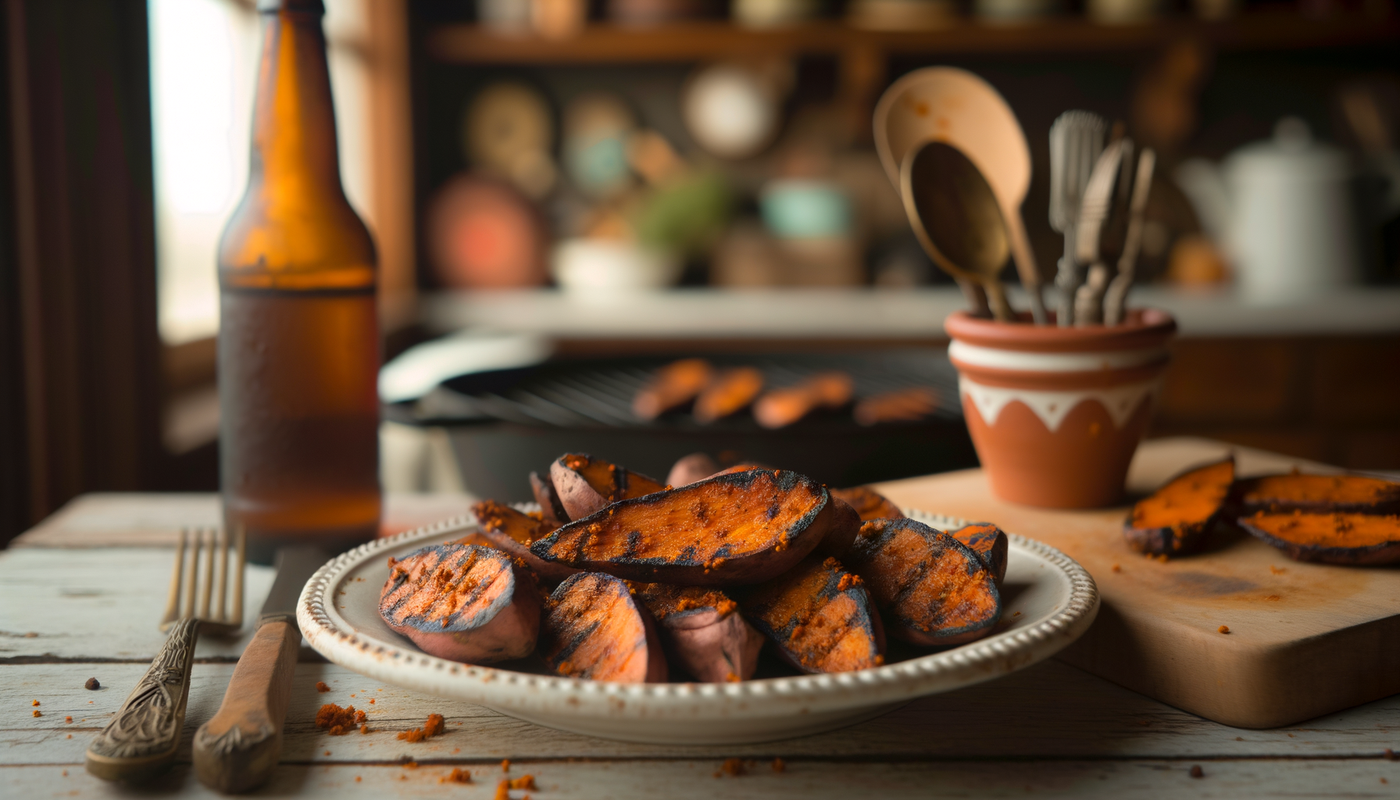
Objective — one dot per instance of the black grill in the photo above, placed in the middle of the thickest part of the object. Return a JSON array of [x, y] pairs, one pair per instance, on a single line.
[[598, 394], [502, 425]]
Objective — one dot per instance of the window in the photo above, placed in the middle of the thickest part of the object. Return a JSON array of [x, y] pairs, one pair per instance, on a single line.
[[204, 56]]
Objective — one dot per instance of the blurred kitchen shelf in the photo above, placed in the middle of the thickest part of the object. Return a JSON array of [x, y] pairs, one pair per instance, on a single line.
[[611, 44], [820, 317]]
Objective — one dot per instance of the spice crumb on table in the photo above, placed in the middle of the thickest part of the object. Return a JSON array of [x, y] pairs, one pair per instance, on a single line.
[[1223, 629], [457, 775], [1197, 772], [92, 685], [322, 687], [434, 726]]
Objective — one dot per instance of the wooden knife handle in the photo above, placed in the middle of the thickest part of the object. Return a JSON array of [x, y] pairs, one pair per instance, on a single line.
[[239, 747], [142, 738]]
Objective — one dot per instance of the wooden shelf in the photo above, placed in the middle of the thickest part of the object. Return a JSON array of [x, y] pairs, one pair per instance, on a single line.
[[610, 44]]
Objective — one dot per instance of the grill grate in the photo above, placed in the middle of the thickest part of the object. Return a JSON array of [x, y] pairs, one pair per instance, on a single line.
[[598, 393]]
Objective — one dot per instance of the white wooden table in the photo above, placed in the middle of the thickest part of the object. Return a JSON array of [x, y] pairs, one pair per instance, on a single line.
[[80, 598]]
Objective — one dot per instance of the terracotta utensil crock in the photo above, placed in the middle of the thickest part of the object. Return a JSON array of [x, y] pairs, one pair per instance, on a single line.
[[1056, 413]]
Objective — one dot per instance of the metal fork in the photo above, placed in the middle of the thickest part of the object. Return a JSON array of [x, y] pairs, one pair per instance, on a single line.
[[142, 738]]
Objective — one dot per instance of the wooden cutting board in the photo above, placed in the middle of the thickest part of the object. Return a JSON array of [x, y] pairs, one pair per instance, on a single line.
[[1304, 639]]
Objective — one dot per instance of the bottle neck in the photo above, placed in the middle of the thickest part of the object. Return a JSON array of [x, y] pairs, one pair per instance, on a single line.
[[294, 142]]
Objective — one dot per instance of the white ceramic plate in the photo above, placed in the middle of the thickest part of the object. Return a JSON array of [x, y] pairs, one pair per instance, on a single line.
[[1049, 601]]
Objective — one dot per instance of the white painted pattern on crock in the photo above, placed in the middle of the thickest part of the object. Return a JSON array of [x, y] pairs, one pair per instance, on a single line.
[[1051, 407]]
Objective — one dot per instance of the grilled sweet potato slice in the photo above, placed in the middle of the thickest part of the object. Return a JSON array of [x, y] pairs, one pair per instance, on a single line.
[[462, 602], [551, 509], [989, 543], [782, 407], [691, 468], [1336, 537], [733, 529], [820, 617], [931, 588], [729, 393], [703, 631], [1176, 518], [593, 628], [585, 484], [1353, 493], [869, 503], [900, 405], [672, 386], [512, 532]]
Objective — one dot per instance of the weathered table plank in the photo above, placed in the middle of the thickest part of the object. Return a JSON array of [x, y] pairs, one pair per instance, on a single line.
[[1266, 778], [1049, 710], [100, 604]]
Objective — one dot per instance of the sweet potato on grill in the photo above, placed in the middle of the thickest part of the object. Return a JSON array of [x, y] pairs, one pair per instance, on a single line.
[[820, 617], [733, 529], [691, 468], [729, 393], [845, 527], [703, 631], [782, 407], [901, 405], [1336, 537], [585, 484], [931, 588], [465, 603], [672, 386], [512, 532], [1355, 493], [989, 543], [593, 628], [869, 503], [550, 508], [1176, 518]]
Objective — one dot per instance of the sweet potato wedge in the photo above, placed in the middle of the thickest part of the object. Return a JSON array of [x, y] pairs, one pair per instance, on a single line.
[[869, 503], [703, 631], [464, 603], [782, 407], [741, 528], [585, 484], [989, 543], [845, 527], [512, 532], [1353, 493], [820, 617], [931, 588], [729, 393], [672, 386], [593, 628], [551, 509], [691, 468], [900, 405], [1337, 537], [1176, 518]]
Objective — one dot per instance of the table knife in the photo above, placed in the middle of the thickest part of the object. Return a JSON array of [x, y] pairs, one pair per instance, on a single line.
[[238, 748]]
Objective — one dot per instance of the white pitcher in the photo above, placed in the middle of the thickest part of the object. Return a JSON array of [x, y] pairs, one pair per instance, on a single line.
[[1284, 211]]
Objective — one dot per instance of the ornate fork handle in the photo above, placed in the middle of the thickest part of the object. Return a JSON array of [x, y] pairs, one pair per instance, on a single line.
[[144, 734]]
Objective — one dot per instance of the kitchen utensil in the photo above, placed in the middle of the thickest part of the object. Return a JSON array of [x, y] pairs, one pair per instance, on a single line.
[[1094, 221], [237, 749], [1305, 640], [1048, 602], [957, 218], [1117, 295], [958, 108], [900, 123], [1076, 141], [1284, 211], [144, 735]]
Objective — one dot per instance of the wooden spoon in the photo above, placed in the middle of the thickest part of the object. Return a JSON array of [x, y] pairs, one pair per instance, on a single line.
[[957, 218], [958, 108]]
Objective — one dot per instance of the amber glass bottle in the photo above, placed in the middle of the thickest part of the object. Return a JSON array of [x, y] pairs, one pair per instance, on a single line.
[[298, 335]]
